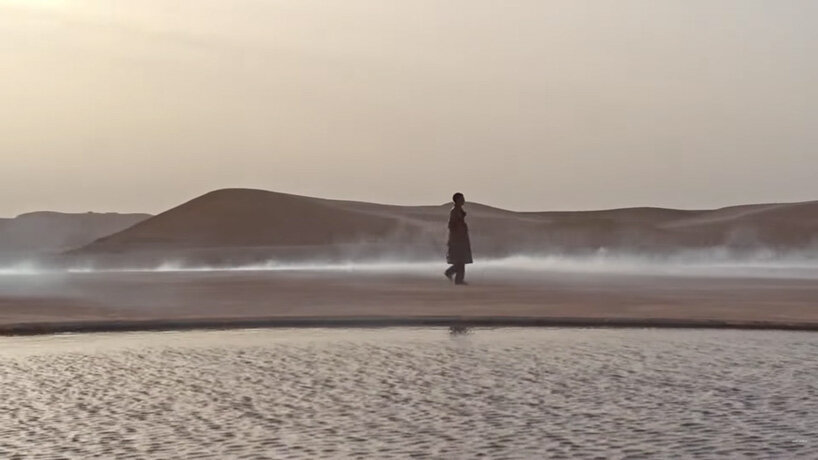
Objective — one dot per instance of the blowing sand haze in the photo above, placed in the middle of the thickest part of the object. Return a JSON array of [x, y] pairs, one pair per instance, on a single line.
[[243, 226]]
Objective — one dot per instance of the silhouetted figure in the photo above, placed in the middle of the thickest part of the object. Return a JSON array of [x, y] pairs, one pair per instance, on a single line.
[[459, 252]]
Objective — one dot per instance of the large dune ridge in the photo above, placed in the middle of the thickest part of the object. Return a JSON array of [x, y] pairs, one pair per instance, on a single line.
[[244, 225], [241, 257], [45, 232]]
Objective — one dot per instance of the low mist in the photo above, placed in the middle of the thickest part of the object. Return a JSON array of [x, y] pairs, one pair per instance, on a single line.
[[721, 262]]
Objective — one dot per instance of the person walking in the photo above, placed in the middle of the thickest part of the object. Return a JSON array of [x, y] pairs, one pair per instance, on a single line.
[[459, 246]]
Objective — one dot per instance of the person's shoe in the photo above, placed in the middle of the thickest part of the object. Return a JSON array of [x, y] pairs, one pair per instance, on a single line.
[[448, 276], [461, 283]]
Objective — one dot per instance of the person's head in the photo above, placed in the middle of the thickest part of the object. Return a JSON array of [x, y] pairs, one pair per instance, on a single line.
[[459, 199]]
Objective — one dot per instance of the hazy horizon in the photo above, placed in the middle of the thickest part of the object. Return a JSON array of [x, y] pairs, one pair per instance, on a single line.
[[525, 105], [444, 202]]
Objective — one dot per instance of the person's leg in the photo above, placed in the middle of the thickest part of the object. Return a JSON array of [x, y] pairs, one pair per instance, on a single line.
[[460, 274], [450, 272]]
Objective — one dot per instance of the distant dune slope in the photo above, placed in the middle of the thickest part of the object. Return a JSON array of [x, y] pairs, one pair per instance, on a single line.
[[254, 219], [43, 232], [774, 226]]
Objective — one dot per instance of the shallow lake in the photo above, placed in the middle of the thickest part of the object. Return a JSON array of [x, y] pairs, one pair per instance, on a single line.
[[384, 393]]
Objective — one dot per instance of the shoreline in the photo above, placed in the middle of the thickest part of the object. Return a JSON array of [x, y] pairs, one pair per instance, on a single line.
[[112, 302], [85, 327]]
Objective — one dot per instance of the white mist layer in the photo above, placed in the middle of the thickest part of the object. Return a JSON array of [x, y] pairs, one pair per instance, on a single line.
[[693, 263]]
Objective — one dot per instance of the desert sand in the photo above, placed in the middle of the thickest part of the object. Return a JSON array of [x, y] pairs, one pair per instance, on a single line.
[[48, 232], [123, 282], [236, 226], [338, 297]]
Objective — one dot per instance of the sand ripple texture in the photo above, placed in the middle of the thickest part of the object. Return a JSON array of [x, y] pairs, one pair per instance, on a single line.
[[398, 393]]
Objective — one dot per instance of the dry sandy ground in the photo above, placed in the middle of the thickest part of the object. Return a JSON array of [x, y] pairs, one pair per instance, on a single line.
[[44, 302]]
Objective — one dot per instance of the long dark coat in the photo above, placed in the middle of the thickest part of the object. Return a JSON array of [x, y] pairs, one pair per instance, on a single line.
[[459, 245]]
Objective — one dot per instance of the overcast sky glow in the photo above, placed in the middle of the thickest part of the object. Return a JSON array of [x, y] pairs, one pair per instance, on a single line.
[[529, 105]]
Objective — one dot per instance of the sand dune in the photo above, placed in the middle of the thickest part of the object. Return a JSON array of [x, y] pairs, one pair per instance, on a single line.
[[778, 226], [242, 224], [253, 218], [40, 232]]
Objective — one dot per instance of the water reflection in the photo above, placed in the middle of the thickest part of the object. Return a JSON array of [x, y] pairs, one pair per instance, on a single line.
[[400, 393]]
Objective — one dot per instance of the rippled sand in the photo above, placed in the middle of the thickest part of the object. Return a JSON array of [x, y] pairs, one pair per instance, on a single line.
[[507, 393]]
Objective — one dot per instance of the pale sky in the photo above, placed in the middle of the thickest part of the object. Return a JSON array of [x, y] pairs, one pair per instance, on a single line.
[[139, 105]]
